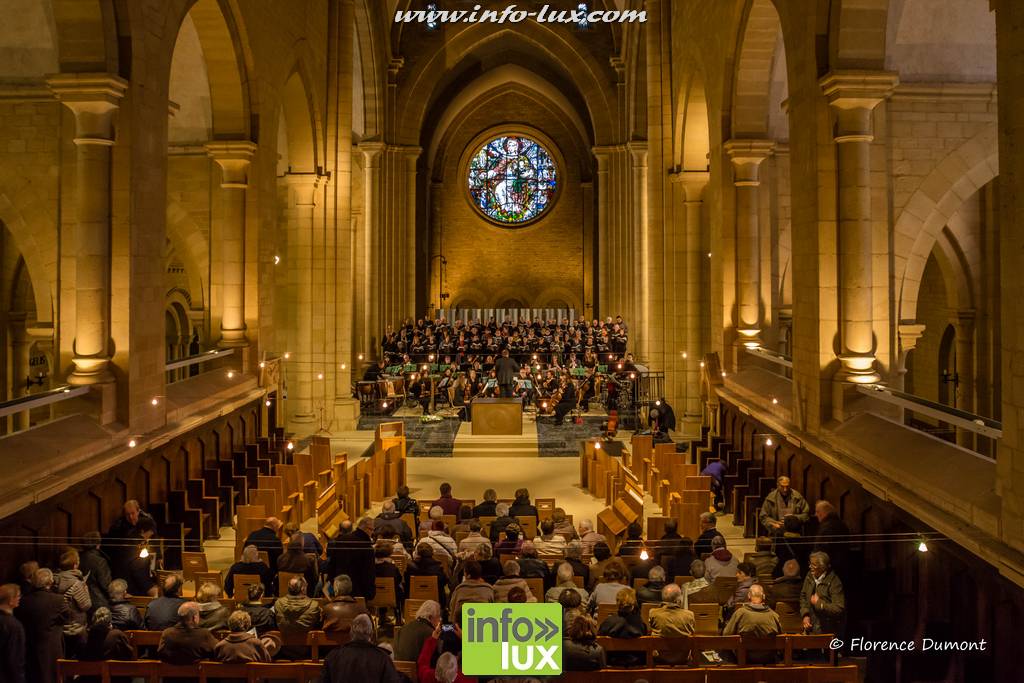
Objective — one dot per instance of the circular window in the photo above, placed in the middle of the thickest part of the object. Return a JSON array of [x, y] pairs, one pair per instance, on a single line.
[[512, 180]]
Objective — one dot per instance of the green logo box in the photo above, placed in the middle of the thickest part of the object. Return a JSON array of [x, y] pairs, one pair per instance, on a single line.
[[512, 639]]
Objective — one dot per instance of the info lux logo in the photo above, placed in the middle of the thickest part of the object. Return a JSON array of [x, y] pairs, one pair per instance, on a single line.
[[511, 639]]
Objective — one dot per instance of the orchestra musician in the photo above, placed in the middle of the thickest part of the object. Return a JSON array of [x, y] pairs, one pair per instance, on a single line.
[[524, 389], [567, 401]]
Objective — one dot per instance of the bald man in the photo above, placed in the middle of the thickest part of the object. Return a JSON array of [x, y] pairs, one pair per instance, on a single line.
[[783, 501]]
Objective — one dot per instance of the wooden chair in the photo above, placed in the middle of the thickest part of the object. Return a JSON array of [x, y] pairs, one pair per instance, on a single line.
[[401, 561], [725, 588], [536, 588], [789, 615], [485, 525], [702, 643], [816, 641], [409, 669], [68, 669], [385, 596], [645, 611], [220, 670], [706, 617], [192, 563], [639, 583], [242, 583], [409, 609], [449, 521], [209, 577], [605, 610], [146, 669], [545, 507], [528, 523], [683, 580], [761, 645], [282, 582], [423, 588], [295, 671], [410, 519]]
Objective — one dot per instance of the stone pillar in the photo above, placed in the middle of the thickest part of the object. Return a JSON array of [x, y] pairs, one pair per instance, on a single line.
[[234, 158], [909, 333], [94, 100], [371, 241], [644, 299], [854, 95], [603, 303], [301, 200], [964, 328], [21, 346], [412, 155], [746, 156], [693, 184]]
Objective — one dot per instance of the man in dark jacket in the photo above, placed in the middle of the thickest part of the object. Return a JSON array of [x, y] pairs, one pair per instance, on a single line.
[[822, 602], [424, 564], [486, 508], [651, 591], [500, 522], [162, 612], [267, 539], [12, 636], [343, 608], [352, 554], [709, 529], [359, 659], [186, 642], [263, 617], [446, 502], [413, 634], [43, 614], [95, 566], [250, 565], [406, 505], [506, 369], [120, 542], [124, 615], [833, 536], [390, 519]]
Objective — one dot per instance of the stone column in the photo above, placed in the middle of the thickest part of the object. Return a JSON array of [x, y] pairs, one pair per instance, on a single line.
[[371, 248], [301, 199], [603, 303], [94, 100], [21, 345], [854, 95], [644, 299], [692, 184], [412, 155], [964, 328], [746, 156], [233, 157]]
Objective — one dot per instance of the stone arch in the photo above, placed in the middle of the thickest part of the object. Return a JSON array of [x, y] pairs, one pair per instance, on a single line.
[[583, 70], [300, 122], [86, 35], [31, 234], [693, 129], [759, 41], [369, 48], [192, 247], [959, 175], [857, 34], [563, 294]]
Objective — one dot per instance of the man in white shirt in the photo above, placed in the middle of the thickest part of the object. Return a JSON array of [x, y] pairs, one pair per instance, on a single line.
[[549, 544]]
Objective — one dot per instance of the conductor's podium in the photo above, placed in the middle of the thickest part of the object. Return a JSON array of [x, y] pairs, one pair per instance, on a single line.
[[497, 416]]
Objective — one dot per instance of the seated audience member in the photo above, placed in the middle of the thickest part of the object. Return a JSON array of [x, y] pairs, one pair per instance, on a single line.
[[310, 543], [409, 639], [240, 646], [721, 562], [521, 506], [763, 559], [634, 542], [708, 530], [424, 564], [572, 605], [580, 651], [781, 502], [574, 556], [602, 558], [700, 589], [70, 583], [162, 612], [832, 536], [755, 619], [95, 566], [442, 542], [625, 623], [351, 553], [391, 519], [406, 505], [486, 508], [588, 537], [104, 640], [435, 514], [564, 581], [267, 540], [12, 636], [549, 544], [446, 502], [563, 527], [262, 617], [490, 564], [531, 566], [822, 602], [360, 659], [464, 520], [791, 545], [746, 573], [384, 567], [473, 539], [472, 589], [295, 561], [651, 591], [43, 614], [297, 614], [675, 552], [608, 590], [251, 565], [343, 608], [671, 619], [512, 540], [446, 668], [511, 578], [501, 522], [212, 614], [186, 642], [123, 614], [516, 594], [788, 586]]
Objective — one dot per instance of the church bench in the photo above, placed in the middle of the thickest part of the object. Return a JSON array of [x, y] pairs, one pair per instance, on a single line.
[[223, 492]]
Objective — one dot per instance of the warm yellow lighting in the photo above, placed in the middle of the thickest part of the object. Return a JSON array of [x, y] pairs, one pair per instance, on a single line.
[[290, 446], [709, 254], [597, 446], [262, 365], [231, 374], [144, 553], [384, 404], [775, 401], [287, 355], [684, 355], [534, 356], [632, 375], [644, 556], [414, 376], [342, 366], [723, 373], [922, 547], [155, 401], [131, 443], [319, 375], [544, 405], [657, 403], [431, 357], [267, 403], [360, 356], [769, 442], [277, 259], [619, 366], [702, 363]]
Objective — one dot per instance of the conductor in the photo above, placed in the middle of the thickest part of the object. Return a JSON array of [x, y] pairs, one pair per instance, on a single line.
[[506, 369]]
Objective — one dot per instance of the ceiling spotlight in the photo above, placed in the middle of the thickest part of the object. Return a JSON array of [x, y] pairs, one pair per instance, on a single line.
[[267, 403], [922, 547], [132, 443]]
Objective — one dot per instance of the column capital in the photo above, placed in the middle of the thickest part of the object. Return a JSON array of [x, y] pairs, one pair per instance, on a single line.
[[746, 156], [412, 155], [693, 183], [854, 94], [965, 321], [371, 150], [303, 187], [909, 334], [93, 98], [233, 157], [638, 150]]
